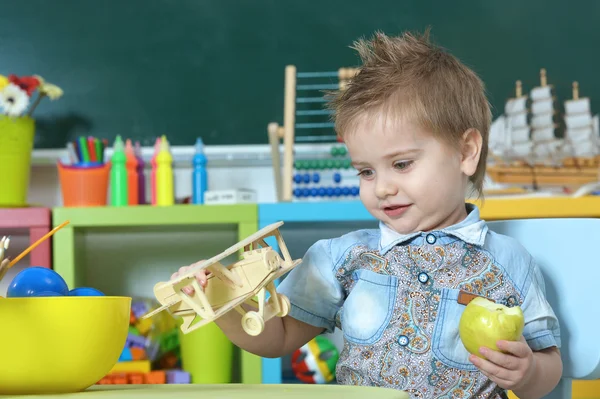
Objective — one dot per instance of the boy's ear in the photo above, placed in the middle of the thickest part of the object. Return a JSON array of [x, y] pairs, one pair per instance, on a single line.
[[471, 151]]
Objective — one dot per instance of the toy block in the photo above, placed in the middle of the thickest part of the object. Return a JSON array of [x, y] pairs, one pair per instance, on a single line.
[[132, 318], [143, 326], [140, 366], [133, 330], [125, 355], [106, 380], [139, 308], [136, 341], [135, 378], [155, 377], [169, 340], [119, 378], [178, 377], [168, 361], [137, 354]]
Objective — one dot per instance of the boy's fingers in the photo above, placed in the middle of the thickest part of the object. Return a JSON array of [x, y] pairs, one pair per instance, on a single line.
[[201, 279], [489, 368], [516, 348], [503, 360]]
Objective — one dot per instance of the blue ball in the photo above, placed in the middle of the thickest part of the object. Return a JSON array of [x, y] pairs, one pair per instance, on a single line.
[[33, 281], [85, 291], [47, 293]]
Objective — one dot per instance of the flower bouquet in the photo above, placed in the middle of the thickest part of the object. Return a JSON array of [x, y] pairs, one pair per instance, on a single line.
[[17, 130]]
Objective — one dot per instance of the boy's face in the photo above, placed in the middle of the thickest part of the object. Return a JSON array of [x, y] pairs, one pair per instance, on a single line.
[[408, 179]]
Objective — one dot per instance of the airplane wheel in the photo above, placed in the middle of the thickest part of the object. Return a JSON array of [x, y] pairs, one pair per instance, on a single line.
[[285, 305], [252, 323]]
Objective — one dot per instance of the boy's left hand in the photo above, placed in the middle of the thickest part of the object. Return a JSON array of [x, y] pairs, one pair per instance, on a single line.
[[510, 370]]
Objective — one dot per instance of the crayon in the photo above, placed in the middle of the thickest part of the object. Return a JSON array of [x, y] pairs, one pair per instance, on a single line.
[[85, 155]]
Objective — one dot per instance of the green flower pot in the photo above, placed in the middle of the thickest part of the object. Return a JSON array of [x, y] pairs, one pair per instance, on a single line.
[[16, 146]]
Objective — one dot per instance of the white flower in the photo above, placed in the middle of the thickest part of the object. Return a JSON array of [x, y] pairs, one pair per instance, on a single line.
[[13, 100], [49, 89]]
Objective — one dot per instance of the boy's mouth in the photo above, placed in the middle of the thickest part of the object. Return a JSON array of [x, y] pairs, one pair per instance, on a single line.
[[395, 210]]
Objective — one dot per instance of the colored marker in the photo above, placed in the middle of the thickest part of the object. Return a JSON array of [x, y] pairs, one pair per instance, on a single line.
[[118, 175], [99, 150], [199, 183], [85, 155], [153, 172], [164, 175], [140, 173], [132, 178], [71, 153], [91, 149]]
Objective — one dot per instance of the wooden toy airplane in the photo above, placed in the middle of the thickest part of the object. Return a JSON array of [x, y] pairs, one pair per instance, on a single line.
[[229, 287]]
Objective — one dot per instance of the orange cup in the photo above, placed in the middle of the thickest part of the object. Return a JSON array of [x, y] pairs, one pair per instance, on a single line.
[[84, 186]]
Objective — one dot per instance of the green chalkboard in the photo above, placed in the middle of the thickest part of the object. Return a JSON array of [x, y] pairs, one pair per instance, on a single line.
[[215, 68]]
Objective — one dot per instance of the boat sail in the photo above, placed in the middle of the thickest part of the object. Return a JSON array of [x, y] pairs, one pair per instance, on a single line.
[[543, 159], [582, 138], [543, 124]]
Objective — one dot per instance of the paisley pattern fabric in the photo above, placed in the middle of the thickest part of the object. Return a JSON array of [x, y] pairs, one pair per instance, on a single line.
[[403, 358]]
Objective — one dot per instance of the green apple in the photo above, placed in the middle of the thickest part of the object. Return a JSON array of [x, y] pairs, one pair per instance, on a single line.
[[484, 322]]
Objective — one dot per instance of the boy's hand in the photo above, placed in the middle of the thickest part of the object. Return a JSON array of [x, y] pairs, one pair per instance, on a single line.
[[511, 370], [200, 276]]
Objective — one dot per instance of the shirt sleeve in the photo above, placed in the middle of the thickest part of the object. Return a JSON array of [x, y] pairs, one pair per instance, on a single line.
[[314, 293], [541, 324]]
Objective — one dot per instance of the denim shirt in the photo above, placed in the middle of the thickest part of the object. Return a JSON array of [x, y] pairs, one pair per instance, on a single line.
[[395, 298]]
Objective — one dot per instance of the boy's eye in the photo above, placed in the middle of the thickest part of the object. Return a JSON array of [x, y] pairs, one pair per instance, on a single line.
[[402, 164], [365, 173]]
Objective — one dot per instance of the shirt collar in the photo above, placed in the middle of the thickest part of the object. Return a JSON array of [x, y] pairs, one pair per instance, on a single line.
[[471, 230]]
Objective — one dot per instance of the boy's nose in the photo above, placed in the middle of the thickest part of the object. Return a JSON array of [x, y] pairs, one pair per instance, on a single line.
[[385, 188]]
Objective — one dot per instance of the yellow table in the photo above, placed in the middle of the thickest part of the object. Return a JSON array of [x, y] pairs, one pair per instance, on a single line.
[[232, 391], [539, 207]]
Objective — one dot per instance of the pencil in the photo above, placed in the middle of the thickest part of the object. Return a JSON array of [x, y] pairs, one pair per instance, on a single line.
[[38, 242]]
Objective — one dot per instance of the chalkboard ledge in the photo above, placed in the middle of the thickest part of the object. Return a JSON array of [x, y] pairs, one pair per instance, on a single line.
[[217, 155]]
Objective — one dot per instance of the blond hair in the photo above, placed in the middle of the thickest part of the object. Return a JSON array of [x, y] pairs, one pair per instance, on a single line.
[[411, 77]]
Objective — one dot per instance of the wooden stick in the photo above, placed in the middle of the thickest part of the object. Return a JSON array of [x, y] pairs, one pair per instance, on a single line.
[[4, 268], [273, 130], [543, 80], [519, 89], [38, 242], [289, 120], [575, 90]]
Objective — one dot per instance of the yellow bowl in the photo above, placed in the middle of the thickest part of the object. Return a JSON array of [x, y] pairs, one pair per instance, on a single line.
[[60, 344]]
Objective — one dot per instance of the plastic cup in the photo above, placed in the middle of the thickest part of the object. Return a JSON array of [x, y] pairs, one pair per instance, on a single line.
[[16, 145], [207, 354], [84, 185]]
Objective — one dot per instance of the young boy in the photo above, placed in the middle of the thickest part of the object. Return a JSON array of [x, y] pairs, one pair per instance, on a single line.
[[415, 121]]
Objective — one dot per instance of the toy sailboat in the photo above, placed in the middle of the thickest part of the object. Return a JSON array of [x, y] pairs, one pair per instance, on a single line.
[[527, 151]]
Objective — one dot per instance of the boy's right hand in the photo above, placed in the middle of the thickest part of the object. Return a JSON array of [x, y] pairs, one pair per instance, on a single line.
[[201, 276]]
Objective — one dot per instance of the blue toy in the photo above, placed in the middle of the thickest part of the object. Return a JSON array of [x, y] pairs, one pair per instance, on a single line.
[[327, 177], [85, 291], [125, 355], [199, 174], [46, 293], [32, 281]]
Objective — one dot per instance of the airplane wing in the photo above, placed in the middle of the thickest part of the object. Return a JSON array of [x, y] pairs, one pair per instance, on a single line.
[[261, 234]]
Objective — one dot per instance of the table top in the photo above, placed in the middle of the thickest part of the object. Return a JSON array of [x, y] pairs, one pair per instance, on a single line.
[[246, 391]]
